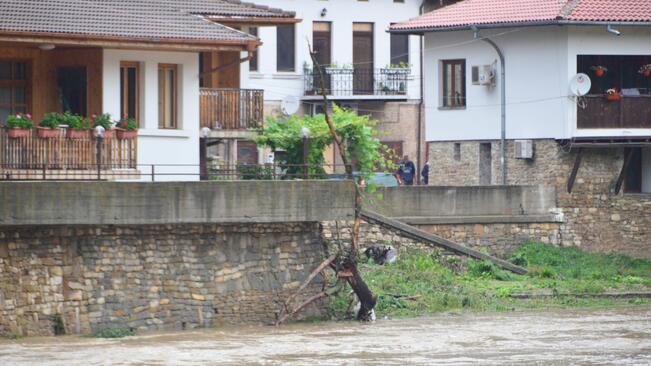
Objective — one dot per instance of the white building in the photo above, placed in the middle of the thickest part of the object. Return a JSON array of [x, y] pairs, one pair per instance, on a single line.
[[351, 38], [140, 59], [545, 45]]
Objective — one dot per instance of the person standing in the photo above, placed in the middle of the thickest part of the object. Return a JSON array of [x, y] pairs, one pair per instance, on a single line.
[[425, 173], [406, 172]]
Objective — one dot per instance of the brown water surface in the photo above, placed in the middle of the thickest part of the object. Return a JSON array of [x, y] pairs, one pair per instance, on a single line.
[[562, 337]]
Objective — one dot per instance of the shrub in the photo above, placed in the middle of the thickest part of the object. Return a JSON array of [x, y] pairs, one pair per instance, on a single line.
[[76, 122], [128, 123], [20, 120], [113, 333]]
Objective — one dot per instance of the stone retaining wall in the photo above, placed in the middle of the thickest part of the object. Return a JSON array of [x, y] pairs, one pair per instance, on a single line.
[[151, 276], [595, 218]]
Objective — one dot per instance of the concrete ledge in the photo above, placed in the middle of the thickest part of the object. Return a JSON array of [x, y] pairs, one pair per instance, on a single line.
[[455, 202], [110, 203], [497, 219]]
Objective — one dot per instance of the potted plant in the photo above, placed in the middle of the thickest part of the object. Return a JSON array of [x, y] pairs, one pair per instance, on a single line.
[[397, 69], [19, 125], [645, 70], [78, 127], [335, 69], [105, 121], [613, 95], [128, 128], [599, 71], [49, 126]]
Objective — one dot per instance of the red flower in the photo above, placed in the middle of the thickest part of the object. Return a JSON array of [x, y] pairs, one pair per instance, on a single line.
[[19, 115], [29, 116]]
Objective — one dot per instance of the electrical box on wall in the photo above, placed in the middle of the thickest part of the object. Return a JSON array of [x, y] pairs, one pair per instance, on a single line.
[[483, 75], [524, 149]]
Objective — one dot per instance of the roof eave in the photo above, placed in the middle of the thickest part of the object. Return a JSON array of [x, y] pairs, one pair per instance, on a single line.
[[423, 30], [252, 21], [129, 42]]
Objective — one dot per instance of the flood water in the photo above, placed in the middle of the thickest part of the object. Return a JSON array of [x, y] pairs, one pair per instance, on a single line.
[[562, 337]]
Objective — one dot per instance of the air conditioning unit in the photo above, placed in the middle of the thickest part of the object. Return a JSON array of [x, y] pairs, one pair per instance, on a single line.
[[483, 75], [524, 149]]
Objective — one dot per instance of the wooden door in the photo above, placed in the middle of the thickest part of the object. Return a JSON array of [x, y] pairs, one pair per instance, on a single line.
[[247, 152], [363, 58]]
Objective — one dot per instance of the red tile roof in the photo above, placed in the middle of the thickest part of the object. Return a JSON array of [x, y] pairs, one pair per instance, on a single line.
[[518, 12]]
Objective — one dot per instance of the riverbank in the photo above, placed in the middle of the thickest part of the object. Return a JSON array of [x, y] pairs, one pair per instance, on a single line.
[[421, 283]]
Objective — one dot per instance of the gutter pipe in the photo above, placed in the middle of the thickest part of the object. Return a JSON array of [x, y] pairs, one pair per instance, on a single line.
[[503, 166]]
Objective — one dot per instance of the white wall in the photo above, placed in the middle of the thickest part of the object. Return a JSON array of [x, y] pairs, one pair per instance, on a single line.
[[536, 81], [156, 146], [540, 62], [342, 14]]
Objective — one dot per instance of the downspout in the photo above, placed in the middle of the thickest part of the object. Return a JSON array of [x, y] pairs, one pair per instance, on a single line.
[[503, 102]]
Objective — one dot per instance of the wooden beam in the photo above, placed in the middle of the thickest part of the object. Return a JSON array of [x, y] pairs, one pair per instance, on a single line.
[[437, 241], [575, 170], [622, 174], [252, 21]]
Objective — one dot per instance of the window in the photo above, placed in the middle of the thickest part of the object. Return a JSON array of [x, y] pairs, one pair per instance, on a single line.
[[638, 172], [399, 49], [457, 151], [130, 89], [285, 47], [167, 92], [13, 88], [453, 88], [253, 62]]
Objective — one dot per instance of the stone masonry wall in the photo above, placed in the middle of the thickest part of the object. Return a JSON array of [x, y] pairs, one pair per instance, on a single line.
[[151, 276], [595, 218], [497, 239]]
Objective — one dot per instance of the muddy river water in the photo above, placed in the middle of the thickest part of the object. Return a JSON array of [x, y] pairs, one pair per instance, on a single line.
[[562, 337]]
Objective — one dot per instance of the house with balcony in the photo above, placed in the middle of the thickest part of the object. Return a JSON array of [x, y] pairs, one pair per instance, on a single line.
[[364, 67], [170, 65], [545, 92]]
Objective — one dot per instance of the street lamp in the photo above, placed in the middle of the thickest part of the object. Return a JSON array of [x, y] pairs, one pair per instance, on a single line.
[[305, 132], [99, 136], [203, 153]]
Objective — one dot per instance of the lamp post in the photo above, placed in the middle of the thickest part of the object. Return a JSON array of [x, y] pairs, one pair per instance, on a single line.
[[203, 153], [305, 132], [99, 136]]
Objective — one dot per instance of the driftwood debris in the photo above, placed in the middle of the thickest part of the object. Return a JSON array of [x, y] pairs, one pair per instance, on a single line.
[[344, 262]]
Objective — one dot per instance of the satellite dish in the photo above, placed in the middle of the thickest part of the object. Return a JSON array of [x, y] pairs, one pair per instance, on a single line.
[[289, 105], [580, 85]]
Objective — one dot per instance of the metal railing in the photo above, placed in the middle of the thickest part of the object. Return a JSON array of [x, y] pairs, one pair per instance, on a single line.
[[351, 82], [173, 172], [231, 109]]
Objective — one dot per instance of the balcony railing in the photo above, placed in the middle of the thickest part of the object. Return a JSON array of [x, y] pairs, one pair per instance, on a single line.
[[354, 82], [633, 111], [49, 154], [231, 109]]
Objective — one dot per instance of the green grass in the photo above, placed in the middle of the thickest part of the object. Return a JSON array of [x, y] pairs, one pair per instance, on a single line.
[[419, 284]]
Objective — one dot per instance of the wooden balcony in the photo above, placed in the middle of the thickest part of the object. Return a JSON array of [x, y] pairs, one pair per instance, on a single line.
[[630, 112], [20, 158], [231, 109]]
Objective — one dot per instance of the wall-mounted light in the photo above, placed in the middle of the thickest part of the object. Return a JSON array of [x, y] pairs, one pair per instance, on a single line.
[[99, 132], [613, 31], [324, 12], [46, 47]]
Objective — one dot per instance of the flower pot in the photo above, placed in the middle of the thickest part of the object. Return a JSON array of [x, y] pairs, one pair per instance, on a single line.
[[338, 71], [18, 133], [77, 134], [47, 133], [125, 134], [600, 72], [613, 97], [108, 134], [395, 71]]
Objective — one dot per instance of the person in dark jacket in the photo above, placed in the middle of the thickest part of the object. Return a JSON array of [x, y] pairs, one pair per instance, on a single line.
[[406, 172], [425, 173]]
